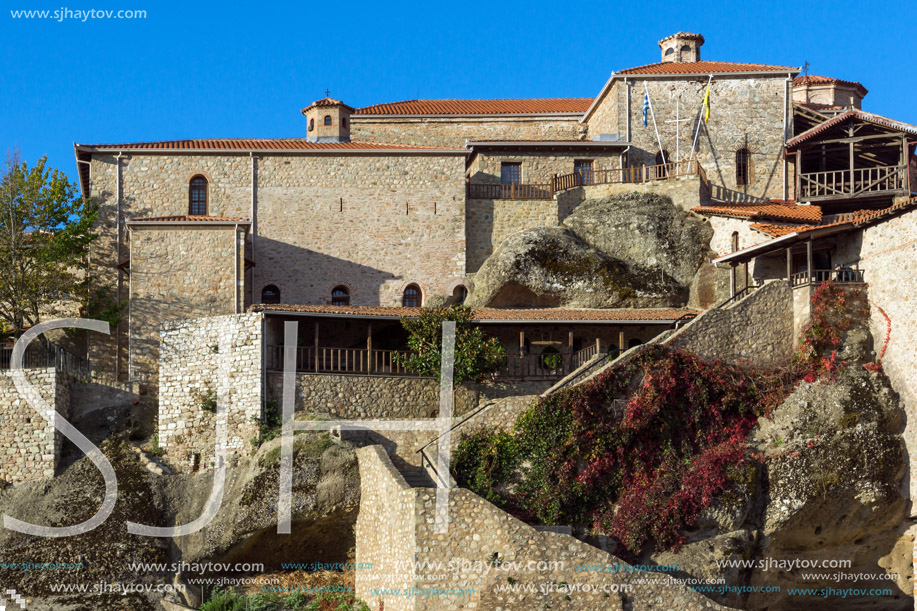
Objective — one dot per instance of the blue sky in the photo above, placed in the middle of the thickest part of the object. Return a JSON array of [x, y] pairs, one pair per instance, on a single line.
[[189, 71]]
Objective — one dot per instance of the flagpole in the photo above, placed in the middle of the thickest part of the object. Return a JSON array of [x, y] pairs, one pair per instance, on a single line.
[[653, 113], [697, 131]]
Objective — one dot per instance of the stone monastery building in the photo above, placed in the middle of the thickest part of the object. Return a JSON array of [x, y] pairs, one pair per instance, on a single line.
[[372, 212]]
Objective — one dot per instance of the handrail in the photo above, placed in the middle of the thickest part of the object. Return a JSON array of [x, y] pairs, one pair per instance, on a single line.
[[630, 174], [851, 183], [510, 191], [41, 355], [341, 360], [737, 296], [457, 425], [842, 276]]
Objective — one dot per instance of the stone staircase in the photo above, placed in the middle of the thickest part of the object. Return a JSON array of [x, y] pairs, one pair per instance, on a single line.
[[417, 477]]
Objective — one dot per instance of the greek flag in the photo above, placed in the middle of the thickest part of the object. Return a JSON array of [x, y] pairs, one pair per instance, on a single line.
[[646, 105]]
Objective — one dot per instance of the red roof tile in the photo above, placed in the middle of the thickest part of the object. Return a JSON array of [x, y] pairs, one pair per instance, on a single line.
[[776, 211], [189, 218], [491, 314], [847, 116], [813, 79], [703, 67], [262, 144], [855, 218], [326, 102], [533, 106]]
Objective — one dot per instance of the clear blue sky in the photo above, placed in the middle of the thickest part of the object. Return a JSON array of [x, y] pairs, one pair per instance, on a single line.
[[189, 71]]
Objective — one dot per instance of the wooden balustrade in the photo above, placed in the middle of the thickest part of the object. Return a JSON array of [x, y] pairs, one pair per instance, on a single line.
[[851, 183], [340, 360], [841, 276], [511, 191]]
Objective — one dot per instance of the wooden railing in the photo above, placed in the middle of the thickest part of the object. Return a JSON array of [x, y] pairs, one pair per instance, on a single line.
[[580, 357], [851, 183], [340, 360], [843, 276], [511, 191], [633, 174]]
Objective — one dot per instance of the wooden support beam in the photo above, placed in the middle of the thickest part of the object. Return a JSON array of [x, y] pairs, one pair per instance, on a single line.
[[570, 340], [789, 265], [732, 280], [620, 339], [809, 260], [316, 346], [521, 343]]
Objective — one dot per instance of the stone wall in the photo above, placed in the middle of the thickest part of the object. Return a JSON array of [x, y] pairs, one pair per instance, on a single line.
[[373, 223], [179, 272], [745, 112], [888, 253], [757, 329], [29, 445], [686, 192], [454, 131], [189, 371], [537, 167], [396, 534]]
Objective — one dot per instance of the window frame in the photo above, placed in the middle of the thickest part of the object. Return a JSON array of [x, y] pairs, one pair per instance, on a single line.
[[328, 121], [418, 297], [516, 166], [585, 169], [192, 188], [743, 167], [342, 288]]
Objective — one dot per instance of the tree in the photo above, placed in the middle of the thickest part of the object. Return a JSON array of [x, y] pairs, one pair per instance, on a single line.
[[476, 355], [45, 233]]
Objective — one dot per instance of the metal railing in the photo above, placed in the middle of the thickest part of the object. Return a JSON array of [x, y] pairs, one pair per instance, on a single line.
[[341, 360], [43, 355], [739, 295], [842, 276], [851, 183]]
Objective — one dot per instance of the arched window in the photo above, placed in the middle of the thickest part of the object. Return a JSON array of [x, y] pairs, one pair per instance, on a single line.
[[270, 294], [459, 294], [685, 49], [742, 157], [197, 196], [670, 50], [340, 296], [411, 297], [735, 241], [327, 119]]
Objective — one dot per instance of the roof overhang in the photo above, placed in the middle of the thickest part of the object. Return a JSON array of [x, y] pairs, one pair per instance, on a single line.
[[292, 152], [496, 115], [218, 223], [580, 144], [783, 242], [482, 321]]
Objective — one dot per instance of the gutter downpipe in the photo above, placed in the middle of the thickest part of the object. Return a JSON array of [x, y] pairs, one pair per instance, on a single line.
[[254, 226]]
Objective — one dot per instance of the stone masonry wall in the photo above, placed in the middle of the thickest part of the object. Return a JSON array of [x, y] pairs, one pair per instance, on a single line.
[[396, 533], [757, 329], [189, 371], [179, 272], [374, 223], [686, 193], [29, 445], [888, 253], [454, 131], [745, 112]]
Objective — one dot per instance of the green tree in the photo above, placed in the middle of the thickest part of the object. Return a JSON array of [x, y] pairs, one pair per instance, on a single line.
[[476, 355], [45, 232]]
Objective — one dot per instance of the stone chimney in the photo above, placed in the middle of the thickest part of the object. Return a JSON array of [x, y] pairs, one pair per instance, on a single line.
[[681, 47], [327, 120]]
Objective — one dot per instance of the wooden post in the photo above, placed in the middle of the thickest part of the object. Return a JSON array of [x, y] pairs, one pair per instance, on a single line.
[[789, 265], [521, 343], [732, 280], [620, 339], [369, 346], [798, 168], [570, 340], [598, 345], [852, 187], [316, 346], [809, 259]]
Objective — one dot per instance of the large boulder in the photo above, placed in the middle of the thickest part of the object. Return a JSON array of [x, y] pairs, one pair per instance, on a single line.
[[626, 251], [552, 267]]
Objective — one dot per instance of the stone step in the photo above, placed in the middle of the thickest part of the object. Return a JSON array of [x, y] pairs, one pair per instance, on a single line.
[[417, 478]]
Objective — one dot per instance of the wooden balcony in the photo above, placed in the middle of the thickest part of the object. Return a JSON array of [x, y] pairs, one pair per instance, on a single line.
[[842, 276], [340, 360], [511, 191], [848, 184]]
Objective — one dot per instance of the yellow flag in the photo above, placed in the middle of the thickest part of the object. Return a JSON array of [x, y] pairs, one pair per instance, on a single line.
[[707, 104]]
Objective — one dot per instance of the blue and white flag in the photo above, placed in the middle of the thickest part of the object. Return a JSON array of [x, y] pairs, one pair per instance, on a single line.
[[646, 105]]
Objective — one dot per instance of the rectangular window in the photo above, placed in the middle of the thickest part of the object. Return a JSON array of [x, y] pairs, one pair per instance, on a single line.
[[583, 170], [510, 173]]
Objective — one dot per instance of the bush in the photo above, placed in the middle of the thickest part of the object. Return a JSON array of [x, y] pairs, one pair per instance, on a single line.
[[485, 459], [476, 355], [268, 428]]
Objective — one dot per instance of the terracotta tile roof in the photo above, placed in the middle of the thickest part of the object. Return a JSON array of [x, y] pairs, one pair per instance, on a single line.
[[532, 106], [273, 144], [189, 218], [704, 67], [814, 79], [855, 218], [775, 231], [847, 116], [491, 314], [326, 102], [773, 210]]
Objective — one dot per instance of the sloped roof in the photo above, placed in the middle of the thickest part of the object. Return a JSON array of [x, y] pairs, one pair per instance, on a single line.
[[530, 106], [190, 218], [851, 114], [704, 67], [776, 211], [491, 314], [814, 79], [258, 144], [326, 103]]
